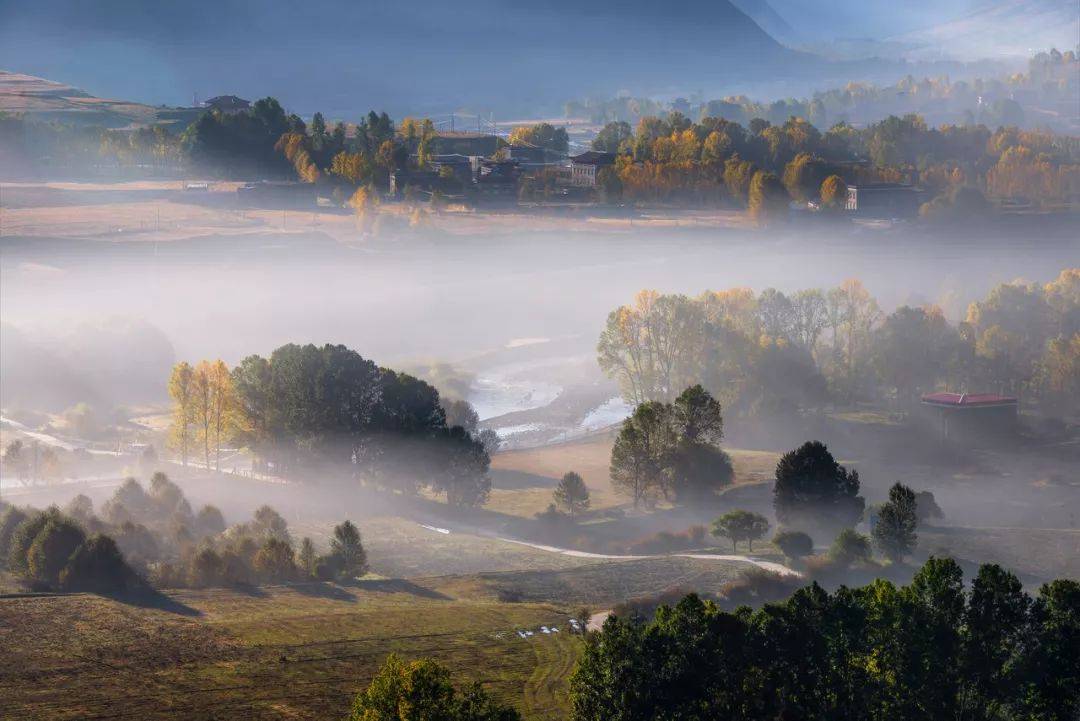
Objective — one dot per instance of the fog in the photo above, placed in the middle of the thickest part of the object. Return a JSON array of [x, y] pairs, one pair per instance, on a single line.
[[454, 297], [463, 356], [518, 314]]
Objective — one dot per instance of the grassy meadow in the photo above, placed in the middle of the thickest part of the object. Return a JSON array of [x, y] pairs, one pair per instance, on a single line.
[[281, 652]]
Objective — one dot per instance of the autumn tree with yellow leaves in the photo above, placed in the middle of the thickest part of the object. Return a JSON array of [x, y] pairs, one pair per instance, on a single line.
[[206, 409], [181, 391]]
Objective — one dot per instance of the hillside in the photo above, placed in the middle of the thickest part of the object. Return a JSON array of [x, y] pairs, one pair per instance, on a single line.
[[409, 57], [49, 100], [769, 20], [1001, 27]]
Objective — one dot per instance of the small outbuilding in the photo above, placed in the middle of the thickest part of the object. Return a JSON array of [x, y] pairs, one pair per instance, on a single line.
[[972, 416], [884, 200]]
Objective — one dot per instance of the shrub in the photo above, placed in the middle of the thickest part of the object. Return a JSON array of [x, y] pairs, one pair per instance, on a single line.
[[167, 497], [274, 562], [137, 543], [209, 521], [328, 568], [307, 559], [645, 606], [132, 497], [926, 508], [97, 565], [166, 575], [850, 547], [116, 513], [268, 523], [422, 689], [81, 508], [660, 542], [347, 545], [794, 544], [10, 520], [552, 518], [24, 536], [237, 568], [572, 495], [757, 586], [697, 534], [52, 548], [207, 569], [894, 533]]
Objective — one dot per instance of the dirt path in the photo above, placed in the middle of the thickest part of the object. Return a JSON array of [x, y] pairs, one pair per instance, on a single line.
[[765, 565]]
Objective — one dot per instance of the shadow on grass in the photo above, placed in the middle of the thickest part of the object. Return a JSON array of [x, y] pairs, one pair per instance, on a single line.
[[151, 598], [248, 589], [519, 480], [399, 585], [324, 590]]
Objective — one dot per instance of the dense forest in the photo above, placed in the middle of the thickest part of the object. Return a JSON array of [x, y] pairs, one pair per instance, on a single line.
[[933, 649]]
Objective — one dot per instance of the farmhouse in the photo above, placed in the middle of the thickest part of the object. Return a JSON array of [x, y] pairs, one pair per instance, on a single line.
[[449, 142], [972, 416], [584, 167], [884, 200], [533, 157], [226, 104]]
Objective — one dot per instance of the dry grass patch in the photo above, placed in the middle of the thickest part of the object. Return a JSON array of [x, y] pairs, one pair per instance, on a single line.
[[400, 548], [591, 458], [275, 653]]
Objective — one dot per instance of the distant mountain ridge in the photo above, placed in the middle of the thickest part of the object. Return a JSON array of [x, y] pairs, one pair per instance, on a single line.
[[1005, 27], [344, 57], [769, 20], [46, 99]]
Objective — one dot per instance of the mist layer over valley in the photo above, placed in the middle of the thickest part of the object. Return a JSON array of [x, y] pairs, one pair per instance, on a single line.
[[553, 362]]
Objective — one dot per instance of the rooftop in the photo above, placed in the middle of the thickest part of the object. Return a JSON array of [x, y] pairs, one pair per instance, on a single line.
[[968, 400], [594, 157], [226, 101], [882, 186]]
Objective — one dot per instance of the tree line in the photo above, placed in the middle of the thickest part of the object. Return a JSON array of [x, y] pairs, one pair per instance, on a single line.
[[770, 352], [986, 101], [151, 536], [932, 649], [763, 165], [309, 410]]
